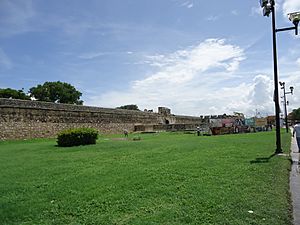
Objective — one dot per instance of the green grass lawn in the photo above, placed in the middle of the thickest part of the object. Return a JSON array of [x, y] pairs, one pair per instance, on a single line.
[[165, 178]]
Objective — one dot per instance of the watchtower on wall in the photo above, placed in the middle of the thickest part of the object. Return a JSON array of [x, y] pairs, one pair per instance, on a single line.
[[164, 111], [166, 116]]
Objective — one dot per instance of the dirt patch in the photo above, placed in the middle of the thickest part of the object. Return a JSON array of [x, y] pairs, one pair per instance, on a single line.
[[119, 139]]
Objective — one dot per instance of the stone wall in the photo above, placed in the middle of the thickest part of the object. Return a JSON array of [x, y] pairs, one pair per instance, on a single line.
[[21, 119]]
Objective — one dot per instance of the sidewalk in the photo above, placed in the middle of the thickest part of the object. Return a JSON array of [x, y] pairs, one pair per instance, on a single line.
[[295, 181]]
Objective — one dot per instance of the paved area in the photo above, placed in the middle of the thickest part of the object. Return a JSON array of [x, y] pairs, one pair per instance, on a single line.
[[295, 181]]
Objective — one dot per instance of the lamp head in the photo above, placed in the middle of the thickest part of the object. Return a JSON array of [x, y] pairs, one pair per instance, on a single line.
[[263, 3], [281, 83], [267, 6], [292, 89], [266, 11], [294, 17]]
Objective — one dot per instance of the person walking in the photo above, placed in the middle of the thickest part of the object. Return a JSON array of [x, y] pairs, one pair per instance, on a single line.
[[125, 131], [198, 131], [297, 132]]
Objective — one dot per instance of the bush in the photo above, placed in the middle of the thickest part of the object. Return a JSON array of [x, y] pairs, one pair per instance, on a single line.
[[77, 136], [136, 138]]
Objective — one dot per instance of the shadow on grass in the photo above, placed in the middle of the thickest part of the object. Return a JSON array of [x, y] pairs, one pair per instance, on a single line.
[[262, 160]]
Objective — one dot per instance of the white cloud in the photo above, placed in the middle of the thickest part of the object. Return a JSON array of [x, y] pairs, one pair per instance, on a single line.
[[92, 55], [198, 80], [186, 65], [290, 6], [298, 61], [293, 79], [188, 80], [188, 4], [5, 62], [261, 95], [255, 95], [212, 18]]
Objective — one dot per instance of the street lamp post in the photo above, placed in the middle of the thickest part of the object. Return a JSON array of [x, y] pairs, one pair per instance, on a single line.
[[282, 84], [268, 8]]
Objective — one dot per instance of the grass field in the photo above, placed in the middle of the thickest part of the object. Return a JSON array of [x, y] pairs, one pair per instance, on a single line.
[[165, 178]]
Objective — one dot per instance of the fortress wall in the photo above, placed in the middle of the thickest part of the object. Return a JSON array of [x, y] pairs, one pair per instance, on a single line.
[[188, 120], [21, 119]]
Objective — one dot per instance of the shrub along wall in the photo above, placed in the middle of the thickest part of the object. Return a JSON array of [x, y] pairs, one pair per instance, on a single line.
[[21, 119], [78, 136]]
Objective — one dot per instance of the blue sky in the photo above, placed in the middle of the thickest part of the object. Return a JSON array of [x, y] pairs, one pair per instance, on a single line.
[[195, 57]]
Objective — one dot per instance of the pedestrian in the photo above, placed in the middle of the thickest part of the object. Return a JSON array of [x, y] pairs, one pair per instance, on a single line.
[[125, 133], [198, 131], [297, 132]]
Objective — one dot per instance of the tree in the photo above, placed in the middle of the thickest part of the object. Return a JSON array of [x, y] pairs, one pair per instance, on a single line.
[[239, 114], [129, 107], [12, 93], [59, 92], [294, 115]]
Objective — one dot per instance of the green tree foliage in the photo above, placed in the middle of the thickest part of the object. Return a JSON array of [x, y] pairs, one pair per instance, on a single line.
[[15, 94], [59, 92], [129, 107], [295, 115]]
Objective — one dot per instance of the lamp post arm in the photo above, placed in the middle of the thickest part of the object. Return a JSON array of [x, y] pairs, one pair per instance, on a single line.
[[285, 29]]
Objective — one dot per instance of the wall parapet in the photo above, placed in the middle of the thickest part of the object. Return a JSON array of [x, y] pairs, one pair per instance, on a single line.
[[16, 103]]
